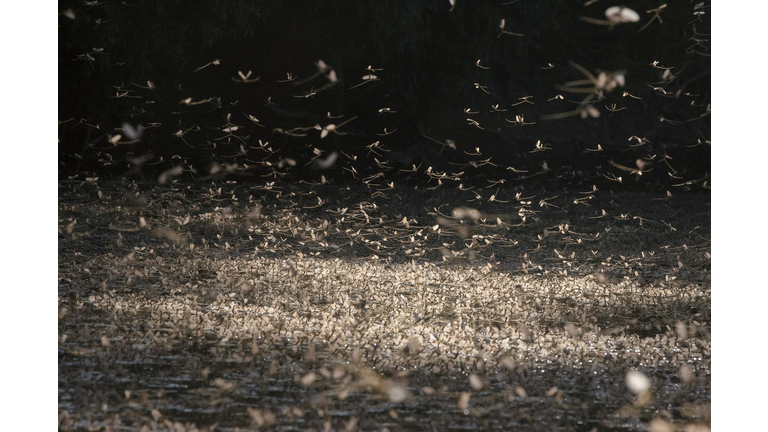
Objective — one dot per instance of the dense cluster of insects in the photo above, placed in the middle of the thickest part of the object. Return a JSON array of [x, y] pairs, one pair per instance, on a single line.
[[314, 261]]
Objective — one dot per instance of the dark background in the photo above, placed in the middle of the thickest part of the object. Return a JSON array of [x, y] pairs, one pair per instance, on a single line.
[[428, 57]]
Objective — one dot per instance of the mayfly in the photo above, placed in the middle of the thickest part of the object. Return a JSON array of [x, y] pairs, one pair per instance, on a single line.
[[215, 63], [328, 161], [641, 165], [366, 79], [322, 68], [245, 78], [502, 24], [615, 15], [324, 131], [134, 134]]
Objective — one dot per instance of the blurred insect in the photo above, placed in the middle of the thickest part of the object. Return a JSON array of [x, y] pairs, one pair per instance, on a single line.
[[697, 13], [99, 21], [150, 85], [180, 134], [656, 14], [474, 123], [189, 101], [322, 69], [324, 131], [230, 128], [515, 170], [540, 147], [523, 100], [588, 110], [519, 119], [215, 63], [382, 164], [698, 43], [253, 119], [478, 164], [386, 132], [637, 382], [169, 174], [640, 141], [134, 134], [502, 24], [296, 132], [598, 149], [307, 95], [368, 78], [91, 4], [373, 146], [616, 15], [245, 78], [494, 199], [672, 122], [289, 78], [482, 87], [88, 57], [327, 162], [621, 14], [596, 86]]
